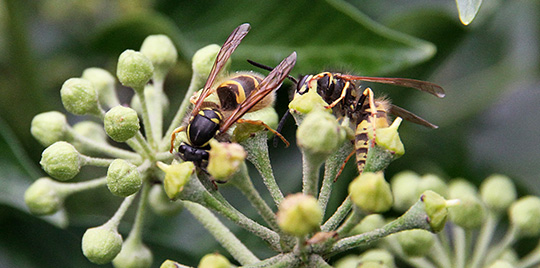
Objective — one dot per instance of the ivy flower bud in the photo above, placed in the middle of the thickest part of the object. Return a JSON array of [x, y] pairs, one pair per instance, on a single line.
[[299, 214], [134, 70], [432, 182], [348, 261], [121, 123], [267, 115], [368, 223], [160, 50], [123, 178], [44, 197], [49, 127], [176, 176], [470, 211], [461, 187], [171, 264], [134, 254], [214, 260], [377, 256], [160, 202], [501, 264], [79, 97], [101, 244], [371, 192], [404, 189], [225, 159], [202, 63], [103, 83], [498, 192], [61, 160], [436, 208], [388, 138], [415, 243], [319, 135], [307, 102], [524, 214]]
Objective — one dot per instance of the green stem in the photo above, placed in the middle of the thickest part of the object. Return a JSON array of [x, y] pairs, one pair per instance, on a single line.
[[439, 255], [148, 128], [71, 188], [156, 106], [460, 246], [310, 174], [136, 230], [279, 261], [531, 259], [339, 215], [119, 214], [353, 219], [508, 239], [180, 114], [331, 168], [483, 241], [221, 233], [318, 261], [103, 147], [258, 155], [194, 191], [141, 142], [242, 181], [94, 161]]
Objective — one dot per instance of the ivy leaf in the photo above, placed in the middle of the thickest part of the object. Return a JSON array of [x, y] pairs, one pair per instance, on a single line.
[[325, 34], [467, 10]]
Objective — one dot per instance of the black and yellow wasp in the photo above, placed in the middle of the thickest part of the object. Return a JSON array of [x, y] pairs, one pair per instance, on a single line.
[[239, 94], [346, 99]]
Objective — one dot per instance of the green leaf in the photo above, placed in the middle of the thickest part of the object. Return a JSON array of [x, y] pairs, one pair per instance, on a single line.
[[468, 10], [326, 34]]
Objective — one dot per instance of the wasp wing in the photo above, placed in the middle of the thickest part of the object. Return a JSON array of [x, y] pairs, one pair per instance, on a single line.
[[398, 111], [425, 86], [224, 54], [267, 85]]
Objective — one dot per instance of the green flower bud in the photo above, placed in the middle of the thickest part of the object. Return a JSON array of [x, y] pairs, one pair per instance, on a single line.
[[368, 223], [308, 102], [161, 204], [267, 115], [404, 190], [524, 214], [461, 187], [319, 135], [501, 264], [388, 138], [299, 214], [121, 123], [176, 176], [61, 160], [202, 63], [101, 244], [432, 182], [134, 69], [378, 256], [509, 255], [436, 208], [469, 213], [171, 264], [415, 243], [92, 131], [349, 261], [134, 254], [371, 192], [123, 178], [498, 192], [49, 127], [160, 50], [79, 97], [44, 197], [214, 260], [103, 83], [225, 159]]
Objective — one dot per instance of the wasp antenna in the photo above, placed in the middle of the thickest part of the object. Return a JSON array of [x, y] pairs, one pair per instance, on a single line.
[[268, 68]]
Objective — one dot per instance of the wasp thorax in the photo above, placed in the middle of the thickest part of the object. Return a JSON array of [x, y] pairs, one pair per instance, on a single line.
[[203, 126]]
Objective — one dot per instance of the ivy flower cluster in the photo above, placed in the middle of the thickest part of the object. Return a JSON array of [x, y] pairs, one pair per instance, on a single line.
[[296, 229]]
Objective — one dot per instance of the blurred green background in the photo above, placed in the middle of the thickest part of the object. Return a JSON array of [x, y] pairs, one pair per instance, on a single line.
[[488, 121]]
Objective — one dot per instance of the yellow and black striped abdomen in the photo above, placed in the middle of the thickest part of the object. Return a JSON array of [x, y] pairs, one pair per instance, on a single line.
[[361, 144], [236, 89]]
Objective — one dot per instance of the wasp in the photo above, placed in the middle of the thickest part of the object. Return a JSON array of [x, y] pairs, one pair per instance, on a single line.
[[347, 99], [239, 94]]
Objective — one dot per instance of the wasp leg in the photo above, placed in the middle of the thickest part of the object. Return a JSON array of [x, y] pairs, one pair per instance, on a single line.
[[173, 136], [261, 123], [343, 165]]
